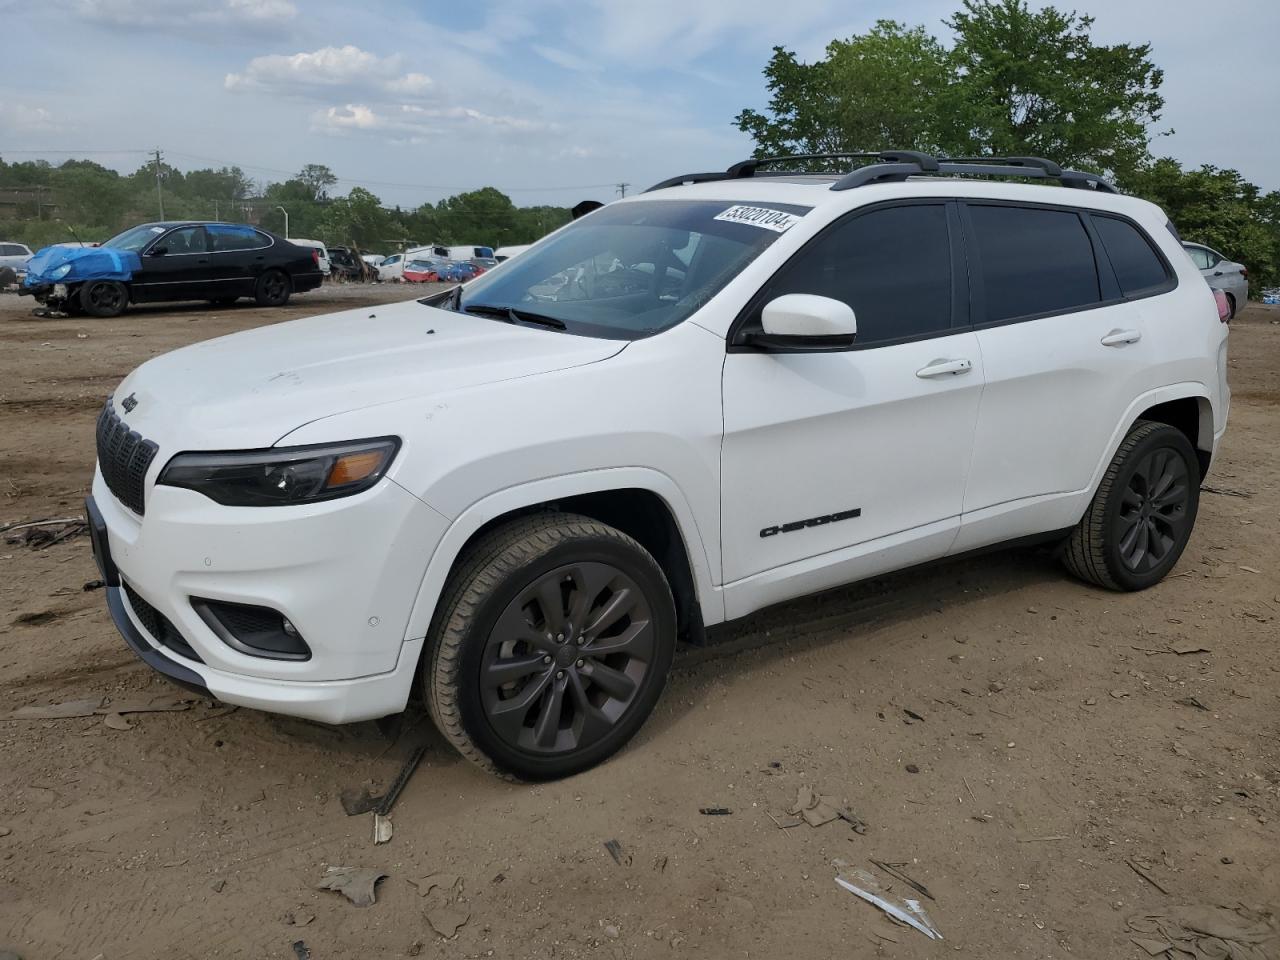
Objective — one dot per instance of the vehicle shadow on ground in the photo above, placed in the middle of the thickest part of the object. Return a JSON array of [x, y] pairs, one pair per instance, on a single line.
[[856, 617]]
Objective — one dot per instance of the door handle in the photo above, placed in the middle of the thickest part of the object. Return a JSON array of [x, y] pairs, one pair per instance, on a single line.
[[1217, 273], [203, 260], [941, 368], [1118, 338]]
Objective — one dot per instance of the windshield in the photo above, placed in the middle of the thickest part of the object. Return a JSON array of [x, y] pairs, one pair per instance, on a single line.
[[632, 269], [135, 238]]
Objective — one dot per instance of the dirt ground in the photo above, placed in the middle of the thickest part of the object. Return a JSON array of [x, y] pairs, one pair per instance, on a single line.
[[1056, 745]]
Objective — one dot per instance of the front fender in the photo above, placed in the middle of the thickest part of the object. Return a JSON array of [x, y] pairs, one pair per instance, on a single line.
[[523, 496]]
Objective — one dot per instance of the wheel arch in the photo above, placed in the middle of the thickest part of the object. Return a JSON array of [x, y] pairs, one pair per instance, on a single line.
[[1185, 406], [640, 502]]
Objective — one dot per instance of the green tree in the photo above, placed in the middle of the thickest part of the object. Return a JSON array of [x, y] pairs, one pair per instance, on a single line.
[[1016, 82], [1218, 208], [358, 220], [319, 178], [883, 88], [1033, 83]]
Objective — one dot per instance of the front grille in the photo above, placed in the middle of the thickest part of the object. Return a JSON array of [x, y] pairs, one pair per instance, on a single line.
[[123, 457], [158, 625]]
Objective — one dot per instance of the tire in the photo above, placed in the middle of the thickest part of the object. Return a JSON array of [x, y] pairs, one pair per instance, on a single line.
[[517, 690], [1142, 514], [224, 301], [272, 289], [103, 298], [1231, 303]]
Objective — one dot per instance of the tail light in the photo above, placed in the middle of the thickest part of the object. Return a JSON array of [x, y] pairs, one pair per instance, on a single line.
[[1244, 273], [315, 256], [1224, 308]]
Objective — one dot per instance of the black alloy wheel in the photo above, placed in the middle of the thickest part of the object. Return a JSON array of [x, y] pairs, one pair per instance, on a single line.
[[1142, 514], [550, 646], [1153, 516], [103, 298], [566, 658], [273, 289]]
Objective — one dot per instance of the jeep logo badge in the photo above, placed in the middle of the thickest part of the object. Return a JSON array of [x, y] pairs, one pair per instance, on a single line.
[[129, 403]]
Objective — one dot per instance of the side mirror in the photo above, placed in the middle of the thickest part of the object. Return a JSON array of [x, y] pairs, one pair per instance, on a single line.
[[803, 323]]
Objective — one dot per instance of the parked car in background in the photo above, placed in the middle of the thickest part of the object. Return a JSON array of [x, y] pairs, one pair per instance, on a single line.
[[373, 259], [424, 270], [1222, 274], [15, 256], [506, 253], [325, 264], [392, 268], [175, 260], [345, 265]]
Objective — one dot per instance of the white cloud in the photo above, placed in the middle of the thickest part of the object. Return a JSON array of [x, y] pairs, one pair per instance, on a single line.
[[562, 58], [186, 14], [416, 123], [321, 73], [20, 118]]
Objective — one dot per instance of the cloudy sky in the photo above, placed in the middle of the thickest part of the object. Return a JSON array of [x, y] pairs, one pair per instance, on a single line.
[[551, 101]]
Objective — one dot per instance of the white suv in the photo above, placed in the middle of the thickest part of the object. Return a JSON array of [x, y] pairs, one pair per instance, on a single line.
[[515, 497]]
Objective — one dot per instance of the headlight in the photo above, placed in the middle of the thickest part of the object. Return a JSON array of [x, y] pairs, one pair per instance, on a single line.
[[59, 272], [285, 475]]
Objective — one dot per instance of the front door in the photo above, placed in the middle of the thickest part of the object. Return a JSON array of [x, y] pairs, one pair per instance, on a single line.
[[824, 452], [175, 267]]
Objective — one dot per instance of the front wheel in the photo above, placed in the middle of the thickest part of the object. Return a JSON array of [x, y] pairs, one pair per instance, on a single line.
[[272, 289], [103, 298], [1141, 517], [550, 647]]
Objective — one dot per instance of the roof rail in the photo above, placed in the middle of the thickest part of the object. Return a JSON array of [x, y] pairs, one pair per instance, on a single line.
[[891, 166]]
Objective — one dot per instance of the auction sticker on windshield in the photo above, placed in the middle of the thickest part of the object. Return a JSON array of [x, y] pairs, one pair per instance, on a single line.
[[763, 217]]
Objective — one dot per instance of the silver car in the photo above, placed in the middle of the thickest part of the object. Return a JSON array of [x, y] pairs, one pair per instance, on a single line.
[[1222, 274], [15, 255]]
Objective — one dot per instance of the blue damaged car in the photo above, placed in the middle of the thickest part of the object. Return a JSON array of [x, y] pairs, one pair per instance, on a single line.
[[177, 260]]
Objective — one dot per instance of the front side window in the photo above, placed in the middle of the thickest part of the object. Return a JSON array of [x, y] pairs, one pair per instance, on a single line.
[[631, 269], [1033, 261], [1138, 268], [891, 265], [183, 241]]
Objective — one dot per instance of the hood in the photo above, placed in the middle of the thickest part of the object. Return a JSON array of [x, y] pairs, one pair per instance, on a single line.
[[249, 389], [73, 264]]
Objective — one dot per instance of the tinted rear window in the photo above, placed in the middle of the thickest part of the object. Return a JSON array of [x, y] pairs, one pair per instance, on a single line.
[[1033, 261], [1138, 267]]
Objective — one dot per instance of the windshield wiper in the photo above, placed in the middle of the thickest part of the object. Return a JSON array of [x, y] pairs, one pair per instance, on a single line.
[[512, 315]]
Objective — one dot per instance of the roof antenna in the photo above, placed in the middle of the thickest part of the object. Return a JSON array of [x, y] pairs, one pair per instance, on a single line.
[[72, 231]]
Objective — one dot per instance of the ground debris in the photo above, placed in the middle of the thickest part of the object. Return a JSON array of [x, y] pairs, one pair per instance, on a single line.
[[620, 857], [355, 883], [449, 883], [815, 809], [865, 885], [445, 921], [1209, 932], [39, 534]]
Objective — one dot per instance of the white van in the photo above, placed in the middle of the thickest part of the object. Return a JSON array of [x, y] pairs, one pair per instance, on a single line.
[[316, 245]]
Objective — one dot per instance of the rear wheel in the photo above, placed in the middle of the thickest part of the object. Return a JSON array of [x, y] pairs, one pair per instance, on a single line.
[[272, 289], [1231, 302], [550, 647], [1141, 517], [103, 298]]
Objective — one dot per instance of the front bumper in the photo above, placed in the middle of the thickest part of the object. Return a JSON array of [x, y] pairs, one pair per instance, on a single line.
[[346, 573]]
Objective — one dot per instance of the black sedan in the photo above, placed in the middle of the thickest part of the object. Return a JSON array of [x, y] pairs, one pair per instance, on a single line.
[[187, 260]]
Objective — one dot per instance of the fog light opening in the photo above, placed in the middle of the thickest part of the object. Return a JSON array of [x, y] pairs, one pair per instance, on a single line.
[[253, 630]]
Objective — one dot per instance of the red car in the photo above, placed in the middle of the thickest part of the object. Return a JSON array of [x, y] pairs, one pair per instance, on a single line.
[[421, 271]]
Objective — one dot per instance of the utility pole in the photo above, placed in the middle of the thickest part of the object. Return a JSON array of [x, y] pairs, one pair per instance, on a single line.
[[622, 189], [286, 221], [159, 192]]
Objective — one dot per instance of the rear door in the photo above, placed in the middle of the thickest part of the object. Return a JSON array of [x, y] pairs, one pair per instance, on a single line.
[[175, 266], [825, 451], [238, 255], [1064, 350]]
